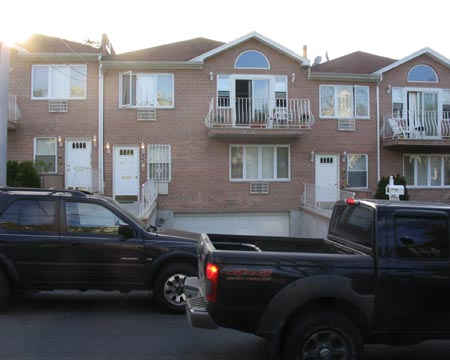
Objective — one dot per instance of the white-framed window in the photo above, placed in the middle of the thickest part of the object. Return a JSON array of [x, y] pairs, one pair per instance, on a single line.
[[159, 162], [252, 59], [357, 173], [422, 73], [223, 91], [45, 154], [58, 81], [397, 102], [281, 88], [146, 90], [425, 170], [259, 162], [344, 101]]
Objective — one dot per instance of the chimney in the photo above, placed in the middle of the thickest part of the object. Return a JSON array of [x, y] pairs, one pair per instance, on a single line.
[[305, 51]]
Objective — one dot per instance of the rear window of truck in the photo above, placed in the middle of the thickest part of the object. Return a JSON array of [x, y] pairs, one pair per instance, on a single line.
[[353, 223]]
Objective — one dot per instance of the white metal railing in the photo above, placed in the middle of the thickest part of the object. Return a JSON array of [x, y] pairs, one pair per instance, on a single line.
[[415, 125], [323, 198], [13, 110], [149, 196], [261, 113], [85, 178]]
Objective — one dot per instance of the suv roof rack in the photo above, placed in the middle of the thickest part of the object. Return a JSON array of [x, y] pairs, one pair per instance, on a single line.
[[80, 193]]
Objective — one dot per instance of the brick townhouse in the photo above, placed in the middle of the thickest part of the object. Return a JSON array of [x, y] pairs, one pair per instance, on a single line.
[[230, 133]]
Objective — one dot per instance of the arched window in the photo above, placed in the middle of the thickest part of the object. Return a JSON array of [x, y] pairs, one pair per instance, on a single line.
[[252, 59], [422, 73]]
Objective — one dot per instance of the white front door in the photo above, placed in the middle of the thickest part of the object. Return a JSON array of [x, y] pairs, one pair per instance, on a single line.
[[327, 179], [126, 173], [78, 172]]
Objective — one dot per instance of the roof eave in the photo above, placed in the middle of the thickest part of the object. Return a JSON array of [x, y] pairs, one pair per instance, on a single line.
[[152, 65], [59, 56], [343, 77]]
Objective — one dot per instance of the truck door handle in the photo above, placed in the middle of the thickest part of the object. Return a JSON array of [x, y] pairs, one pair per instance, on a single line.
[[72, 244], [404, 274]]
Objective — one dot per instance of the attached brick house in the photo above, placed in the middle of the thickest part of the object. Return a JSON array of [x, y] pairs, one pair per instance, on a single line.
[[230, 133]]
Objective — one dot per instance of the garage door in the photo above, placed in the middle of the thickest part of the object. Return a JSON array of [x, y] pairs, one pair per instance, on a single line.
[[274, 224]]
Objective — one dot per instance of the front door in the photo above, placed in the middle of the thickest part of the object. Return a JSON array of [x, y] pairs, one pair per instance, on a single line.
[[78, 165], [327, 184], [126, 173]]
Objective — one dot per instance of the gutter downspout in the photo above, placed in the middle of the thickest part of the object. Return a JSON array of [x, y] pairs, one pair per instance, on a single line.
[[378, 132], [101, 182]]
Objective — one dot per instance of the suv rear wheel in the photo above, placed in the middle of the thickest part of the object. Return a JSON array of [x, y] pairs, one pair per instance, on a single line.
[[169, 287]]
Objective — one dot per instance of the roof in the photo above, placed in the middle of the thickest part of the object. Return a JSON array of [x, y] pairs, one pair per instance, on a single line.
[[355, 63], [178, 51], [256, 36], [39, 43]]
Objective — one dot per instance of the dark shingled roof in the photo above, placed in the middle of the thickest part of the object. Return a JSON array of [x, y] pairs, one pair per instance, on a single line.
[[48, 44], [178, 51], [355, 63]]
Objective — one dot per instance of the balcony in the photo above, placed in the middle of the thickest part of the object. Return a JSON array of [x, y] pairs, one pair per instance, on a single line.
[[13, 112], [249, 117], [416, 128]]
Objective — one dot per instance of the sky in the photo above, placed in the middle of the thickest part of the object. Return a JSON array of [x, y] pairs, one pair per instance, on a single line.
[[391, 28]]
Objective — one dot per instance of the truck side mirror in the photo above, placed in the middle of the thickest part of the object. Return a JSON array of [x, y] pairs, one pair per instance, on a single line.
[[126, 231]]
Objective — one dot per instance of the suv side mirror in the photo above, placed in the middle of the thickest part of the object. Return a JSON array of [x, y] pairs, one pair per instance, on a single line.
[[126, 231]]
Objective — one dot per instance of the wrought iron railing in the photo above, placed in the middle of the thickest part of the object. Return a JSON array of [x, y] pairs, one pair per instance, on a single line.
[[149, 196], [259, 113], [413, 125], [13, 110]]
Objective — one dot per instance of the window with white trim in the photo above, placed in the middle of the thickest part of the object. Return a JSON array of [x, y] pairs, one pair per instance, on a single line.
[[259, 162], [252, 59], [223, 91], [344, 101], [58, 81], [424, 170], [45, 154], [146, 90], [397, 102], [159, 162], [422, 73], [357, 173]]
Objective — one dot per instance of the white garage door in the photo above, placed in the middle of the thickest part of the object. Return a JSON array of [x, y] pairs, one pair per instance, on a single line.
[[273, 224]]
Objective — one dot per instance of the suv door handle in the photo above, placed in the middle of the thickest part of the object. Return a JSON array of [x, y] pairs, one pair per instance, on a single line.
[[72, 244], [404, 274]]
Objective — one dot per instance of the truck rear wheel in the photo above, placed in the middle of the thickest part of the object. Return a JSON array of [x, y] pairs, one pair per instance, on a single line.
[[169, 287], [324, 336]]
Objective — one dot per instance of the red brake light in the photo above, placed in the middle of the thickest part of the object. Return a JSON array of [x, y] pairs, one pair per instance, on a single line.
[[212, 276], [352, 202]]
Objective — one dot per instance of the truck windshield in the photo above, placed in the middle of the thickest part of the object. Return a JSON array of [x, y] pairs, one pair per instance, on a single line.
[[354, 223]]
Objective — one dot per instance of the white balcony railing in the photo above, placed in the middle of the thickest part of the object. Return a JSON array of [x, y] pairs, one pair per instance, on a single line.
[[13, 110], [259, 113], [416, 125], [149, 196], [323, 198]]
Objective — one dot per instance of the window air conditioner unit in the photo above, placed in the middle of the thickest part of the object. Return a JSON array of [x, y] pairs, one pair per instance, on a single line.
[[346, 125], [57, 105], [146, 114], [259, 188]]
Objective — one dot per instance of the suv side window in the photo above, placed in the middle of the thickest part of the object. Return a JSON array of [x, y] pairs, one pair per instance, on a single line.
[[91, 218], [421, 237], [29, 215]]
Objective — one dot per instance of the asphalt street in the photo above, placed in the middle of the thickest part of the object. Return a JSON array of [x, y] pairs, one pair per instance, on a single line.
[[98, 326]]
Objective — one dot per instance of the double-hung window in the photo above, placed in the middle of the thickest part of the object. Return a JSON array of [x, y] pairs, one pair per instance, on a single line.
[[357, 170], [45, 154], [344, 101], [146, 90], [259, 162], [58, 81]]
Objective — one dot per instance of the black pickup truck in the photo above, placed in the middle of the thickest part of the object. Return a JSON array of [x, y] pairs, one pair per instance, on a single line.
[[382, 275], [60, 239]]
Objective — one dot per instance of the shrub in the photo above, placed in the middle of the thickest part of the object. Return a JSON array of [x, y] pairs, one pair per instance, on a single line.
[[381, 189], [22, 174]]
